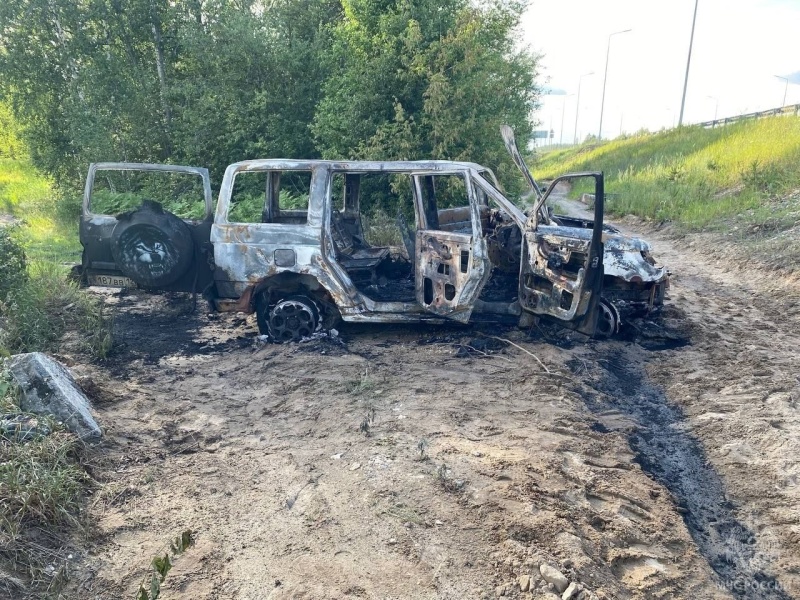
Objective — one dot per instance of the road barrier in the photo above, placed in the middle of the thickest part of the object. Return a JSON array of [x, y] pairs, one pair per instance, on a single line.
[[786, 111]]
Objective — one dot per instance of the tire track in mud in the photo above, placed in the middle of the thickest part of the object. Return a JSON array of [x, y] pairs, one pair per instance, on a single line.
[[668, 452]]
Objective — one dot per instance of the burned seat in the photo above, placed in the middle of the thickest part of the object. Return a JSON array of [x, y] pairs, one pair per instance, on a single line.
[[357, 258]]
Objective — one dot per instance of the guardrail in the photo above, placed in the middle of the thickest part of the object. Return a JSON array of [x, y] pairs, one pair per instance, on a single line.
[[791, 110]]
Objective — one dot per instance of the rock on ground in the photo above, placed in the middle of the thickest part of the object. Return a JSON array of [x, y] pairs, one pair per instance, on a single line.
[[554, 576], [571, 592], [524, 583], [49, 389]]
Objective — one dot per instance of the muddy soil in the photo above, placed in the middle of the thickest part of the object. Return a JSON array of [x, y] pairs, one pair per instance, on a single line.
[[403, 462]]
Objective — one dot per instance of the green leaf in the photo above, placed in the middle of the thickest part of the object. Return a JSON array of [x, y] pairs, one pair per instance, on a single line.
[[142, 595], [186, 539], [155, 587], [162, 565]]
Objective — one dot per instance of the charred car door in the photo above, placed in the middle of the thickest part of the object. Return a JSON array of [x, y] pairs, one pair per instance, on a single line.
[[147, 225], [451, 258], [561, 273], [561, 268]]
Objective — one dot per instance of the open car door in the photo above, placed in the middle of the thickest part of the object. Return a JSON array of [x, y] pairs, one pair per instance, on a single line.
[[561, 272], [147, 225], [451, 258], [561, 269]]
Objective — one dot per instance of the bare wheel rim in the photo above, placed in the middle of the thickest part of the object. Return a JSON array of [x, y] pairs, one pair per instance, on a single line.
[[292, 320], [608, 320]]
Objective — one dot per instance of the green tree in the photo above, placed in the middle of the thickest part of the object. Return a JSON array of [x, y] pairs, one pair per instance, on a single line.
[[210, 82], [10, 143], [414, 79], [247, 84]]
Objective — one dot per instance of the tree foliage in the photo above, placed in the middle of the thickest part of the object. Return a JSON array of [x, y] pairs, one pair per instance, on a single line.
[[210, 82]]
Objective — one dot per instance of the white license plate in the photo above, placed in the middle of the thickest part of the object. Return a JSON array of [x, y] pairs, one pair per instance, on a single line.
[[112, 281]]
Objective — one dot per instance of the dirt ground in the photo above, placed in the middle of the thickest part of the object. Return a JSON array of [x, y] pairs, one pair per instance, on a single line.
[[403, 462]]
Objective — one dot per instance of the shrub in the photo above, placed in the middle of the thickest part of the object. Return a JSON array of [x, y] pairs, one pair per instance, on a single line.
[[13, 266]]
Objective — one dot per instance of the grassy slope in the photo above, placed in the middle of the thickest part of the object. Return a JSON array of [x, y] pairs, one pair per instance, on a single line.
[[699, 178], [48, 233]]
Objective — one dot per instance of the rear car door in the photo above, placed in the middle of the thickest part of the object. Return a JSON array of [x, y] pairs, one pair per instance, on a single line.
[[147, 225], [452, 265]]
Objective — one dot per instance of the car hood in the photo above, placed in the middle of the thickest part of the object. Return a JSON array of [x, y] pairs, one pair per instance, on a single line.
[[624, 257]]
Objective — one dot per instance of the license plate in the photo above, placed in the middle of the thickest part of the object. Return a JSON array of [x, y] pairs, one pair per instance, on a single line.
[[112, 281]]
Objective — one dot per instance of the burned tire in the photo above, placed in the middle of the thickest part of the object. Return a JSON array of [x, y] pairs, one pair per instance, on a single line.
[[152, 246], [608, 320], [289, 320]]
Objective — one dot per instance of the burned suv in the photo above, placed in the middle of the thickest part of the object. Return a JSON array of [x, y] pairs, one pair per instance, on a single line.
[[291, 241]]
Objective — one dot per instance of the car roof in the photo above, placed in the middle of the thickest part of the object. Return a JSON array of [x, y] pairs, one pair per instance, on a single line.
[[355, 165]]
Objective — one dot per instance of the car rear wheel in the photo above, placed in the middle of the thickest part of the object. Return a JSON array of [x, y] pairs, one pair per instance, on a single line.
[[290, 319]]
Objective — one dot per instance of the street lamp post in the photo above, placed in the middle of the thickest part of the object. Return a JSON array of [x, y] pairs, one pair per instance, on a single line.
[[605, 76], [716, 106], [688, 62], [785, 88], [578, 103], [563, 112]]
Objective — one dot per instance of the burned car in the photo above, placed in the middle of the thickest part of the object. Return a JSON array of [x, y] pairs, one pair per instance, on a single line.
[[291, 241]]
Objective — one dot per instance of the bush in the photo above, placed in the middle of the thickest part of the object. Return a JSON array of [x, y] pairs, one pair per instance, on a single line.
[[13, 265], [381, 230]]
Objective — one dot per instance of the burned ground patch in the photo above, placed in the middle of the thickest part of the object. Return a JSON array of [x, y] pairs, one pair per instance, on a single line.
[[669, 452]]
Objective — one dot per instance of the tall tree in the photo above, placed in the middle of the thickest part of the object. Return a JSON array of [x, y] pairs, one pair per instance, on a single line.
[[247, 83], [209, 82], [414, 79]]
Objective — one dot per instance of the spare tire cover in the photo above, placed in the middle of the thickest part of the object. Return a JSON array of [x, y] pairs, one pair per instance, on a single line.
[[152, 246]]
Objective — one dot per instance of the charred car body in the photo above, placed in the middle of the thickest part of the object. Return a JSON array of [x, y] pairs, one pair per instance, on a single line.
[[288, 242]]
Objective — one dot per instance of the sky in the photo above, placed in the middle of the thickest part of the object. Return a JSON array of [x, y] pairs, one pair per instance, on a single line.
[[739, 48]]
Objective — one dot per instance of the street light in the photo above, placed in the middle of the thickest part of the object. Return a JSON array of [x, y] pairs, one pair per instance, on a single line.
[[603, 101], [688, 62], [785, 88], [716, 106], [578, 104], [563, 112]]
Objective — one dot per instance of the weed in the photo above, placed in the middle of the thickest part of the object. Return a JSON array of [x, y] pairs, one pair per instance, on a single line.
[[161, 565], [367, 422], [8, 399], [13, 263], [40, 481], [36, 314], [149, 476], [444, 478], [361, 385], [41, 491], [422, 449], [405, 514]]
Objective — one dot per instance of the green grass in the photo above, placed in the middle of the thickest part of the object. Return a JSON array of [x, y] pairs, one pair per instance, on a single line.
[[38, 312], [698, 178], [50, 220]]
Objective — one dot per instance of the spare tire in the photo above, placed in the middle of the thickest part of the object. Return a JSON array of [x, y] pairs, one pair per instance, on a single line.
[[152, 246]]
